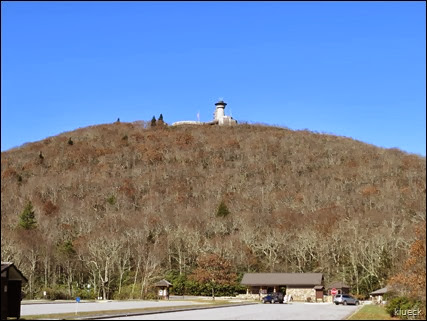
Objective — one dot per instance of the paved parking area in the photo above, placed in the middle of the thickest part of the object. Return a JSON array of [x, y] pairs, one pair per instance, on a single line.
[[293, 311], [55, 307]]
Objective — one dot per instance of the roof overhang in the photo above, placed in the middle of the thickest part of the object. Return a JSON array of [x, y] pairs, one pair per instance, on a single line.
[[10, 271], [285, 279]]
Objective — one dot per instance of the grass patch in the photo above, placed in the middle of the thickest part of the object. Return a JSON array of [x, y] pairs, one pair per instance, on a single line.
[[371, 312], [83, 314]]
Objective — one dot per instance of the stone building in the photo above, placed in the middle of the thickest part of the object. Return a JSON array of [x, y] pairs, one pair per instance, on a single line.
[[301, 286]]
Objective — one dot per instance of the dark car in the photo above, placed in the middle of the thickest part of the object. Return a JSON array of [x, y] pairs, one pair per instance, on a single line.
[[345, 299], [273, 298]]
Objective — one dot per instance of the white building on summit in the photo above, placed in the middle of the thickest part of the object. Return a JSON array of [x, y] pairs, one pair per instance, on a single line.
[[219, 117]]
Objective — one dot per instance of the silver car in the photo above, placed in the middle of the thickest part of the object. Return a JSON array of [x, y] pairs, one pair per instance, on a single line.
[[345, 299]]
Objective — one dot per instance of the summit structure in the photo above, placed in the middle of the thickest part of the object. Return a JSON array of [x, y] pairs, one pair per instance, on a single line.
[[219, 117]]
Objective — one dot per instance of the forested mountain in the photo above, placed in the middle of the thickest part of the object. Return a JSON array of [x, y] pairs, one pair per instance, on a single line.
[[119, 206]]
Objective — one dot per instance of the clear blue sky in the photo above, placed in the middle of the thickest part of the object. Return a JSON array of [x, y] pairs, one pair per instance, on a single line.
[[354, 69]]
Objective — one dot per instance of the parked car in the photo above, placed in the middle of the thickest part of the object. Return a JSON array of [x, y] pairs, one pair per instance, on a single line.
[[273, 298], [345, 299]]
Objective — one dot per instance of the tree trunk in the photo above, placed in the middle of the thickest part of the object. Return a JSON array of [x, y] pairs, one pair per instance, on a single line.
[[213, 293], [136, 277]]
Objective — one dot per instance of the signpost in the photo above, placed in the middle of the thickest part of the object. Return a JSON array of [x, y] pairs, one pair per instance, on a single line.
[[77, 303], [334, 291]]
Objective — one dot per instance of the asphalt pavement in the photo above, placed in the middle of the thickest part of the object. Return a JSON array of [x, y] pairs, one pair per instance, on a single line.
[[292, 311], [199, 310]]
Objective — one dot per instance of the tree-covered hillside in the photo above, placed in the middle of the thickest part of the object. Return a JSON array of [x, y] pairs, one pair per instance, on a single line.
[[119, 206]]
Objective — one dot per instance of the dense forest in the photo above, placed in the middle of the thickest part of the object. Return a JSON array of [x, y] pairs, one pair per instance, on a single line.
[[108, 210]]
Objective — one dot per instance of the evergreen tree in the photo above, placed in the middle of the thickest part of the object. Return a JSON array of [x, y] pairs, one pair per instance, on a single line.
[[70, 142], [160, 121], [66, 248], [222, 210], [41, 158], [27, 219], [153, 122]]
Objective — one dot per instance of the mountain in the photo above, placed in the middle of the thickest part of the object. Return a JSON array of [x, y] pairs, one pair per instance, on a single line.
[[119, 205]]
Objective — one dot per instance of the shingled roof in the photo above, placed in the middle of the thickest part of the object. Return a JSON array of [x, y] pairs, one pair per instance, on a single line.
[[12, 272], [163, 283], [380, 291], [294, 279]]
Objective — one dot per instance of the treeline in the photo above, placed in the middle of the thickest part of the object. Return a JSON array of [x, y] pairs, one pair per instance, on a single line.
[[127, 204]]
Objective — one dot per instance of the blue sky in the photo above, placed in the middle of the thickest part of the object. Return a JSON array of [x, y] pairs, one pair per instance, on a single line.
[[354, 69]]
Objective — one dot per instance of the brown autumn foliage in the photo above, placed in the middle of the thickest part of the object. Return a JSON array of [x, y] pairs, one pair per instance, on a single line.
[[129, 203], [411, 280], [214, 270]]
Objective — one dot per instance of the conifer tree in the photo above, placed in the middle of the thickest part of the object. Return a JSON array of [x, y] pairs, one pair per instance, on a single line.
[[222, 210], [27, 218], [160, 121], [153, 121]]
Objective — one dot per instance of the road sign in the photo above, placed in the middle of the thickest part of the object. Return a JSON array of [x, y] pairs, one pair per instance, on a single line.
[[77, 303], [334, 291]]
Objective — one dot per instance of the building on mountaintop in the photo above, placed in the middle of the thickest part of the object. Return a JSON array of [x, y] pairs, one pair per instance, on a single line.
[[219, 117]]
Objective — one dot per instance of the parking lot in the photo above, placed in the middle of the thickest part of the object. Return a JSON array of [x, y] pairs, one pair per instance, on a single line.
[[293, 311], [29, 308]]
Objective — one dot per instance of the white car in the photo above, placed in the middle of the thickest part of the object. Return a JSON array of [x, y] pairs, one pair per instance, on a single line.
[[345, 299]]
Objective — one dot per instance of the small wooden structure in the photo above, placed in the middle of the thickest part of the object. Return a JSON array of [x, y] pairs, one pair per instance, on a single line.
[[163, 289], [341, 288], [319, 292], [378, 295], [11, 283]]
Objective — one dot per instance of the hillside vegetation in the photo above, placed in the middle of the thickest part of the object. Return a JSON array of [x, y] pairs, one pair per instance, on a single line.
[[119, 206]]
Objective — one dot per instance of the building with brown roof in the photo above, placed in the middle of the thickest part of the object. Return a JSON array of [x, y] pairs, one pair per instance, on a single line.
[[341, 287], [163, 289], [378, 295], [11, 282], [301, 286]]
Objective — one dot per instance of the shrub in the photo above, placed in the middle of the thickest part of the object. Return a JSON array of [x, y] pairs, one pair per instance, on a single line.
[[126, 292], [150, 296], [85, 294], [401, 307], [111, 200], [222, 210], [56, 293]]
